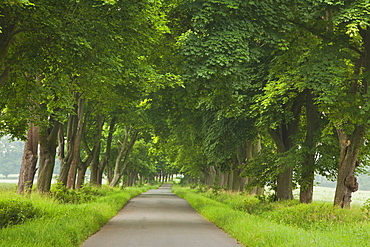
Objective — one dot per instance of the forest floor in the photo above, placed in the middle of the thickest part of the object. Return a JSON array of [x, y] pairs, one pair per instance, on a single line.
[[159, 218]]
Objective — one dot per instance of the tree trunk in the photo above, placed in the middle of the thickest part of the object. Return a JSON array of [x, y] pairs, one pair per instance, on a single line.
[[224, 179], [230, 179], [48, 145], [117, 175], [66, 158], [346, 181], [29, 160], [350, 143], [252, 148], [81, 176], [308, 167], [283, 138], [76, 158], [236, 179], [94, 165], [131, 178], [125, 150], [105, 159]]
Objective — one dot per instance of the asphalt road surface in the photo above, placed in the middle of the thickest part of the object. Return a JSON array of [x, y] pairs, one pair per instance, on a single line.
[[159, 218]]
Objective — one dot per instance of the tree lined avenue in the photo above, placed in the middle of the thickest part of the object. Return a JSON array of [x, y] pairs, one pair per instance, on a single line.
[[232, 94]]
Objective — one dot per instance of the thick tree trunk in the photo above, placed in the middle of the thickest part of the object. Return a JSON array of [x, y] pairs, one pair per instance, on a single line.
[[308, 167], [350, 143], [29, 160], [48, 145], [346, 181]]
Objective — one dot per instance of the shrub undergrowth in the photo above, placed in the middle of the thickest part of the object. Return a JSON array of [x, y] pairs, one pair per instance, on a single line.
[[15, 211]]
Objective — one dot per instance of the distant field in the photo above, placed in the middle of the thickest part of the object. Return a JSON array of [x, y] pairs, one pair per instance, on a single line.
[[326, 194], [321, 194], [7, 186]]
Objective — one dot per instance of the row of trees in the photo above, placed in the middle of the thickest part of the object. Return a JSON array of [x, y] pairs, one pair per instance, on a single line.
[[275, 91], [241, 93], [73, 74]]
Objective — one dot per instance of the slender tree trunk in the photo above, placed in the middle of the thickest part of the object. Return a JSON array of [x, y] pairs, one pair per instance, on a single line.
[[76, 158], [308, 167], [48, 145], [125, 150], [230, 179], [29, 160], [66, 158], [117, 175], [106, 157], [81, 176], [284, 186], [224, 179], [61, 151], [252, 148], [94, 165], [283, 138]]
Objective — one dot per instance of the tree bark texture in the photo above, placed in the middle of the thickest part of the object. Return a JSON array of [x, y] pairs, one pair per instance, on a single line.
[[48, 145], [346, 181], [29, 161]]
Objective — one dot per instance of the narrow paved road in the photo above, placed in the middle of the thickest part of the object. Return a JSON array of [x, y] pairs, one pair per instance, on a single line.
[[159, 218]]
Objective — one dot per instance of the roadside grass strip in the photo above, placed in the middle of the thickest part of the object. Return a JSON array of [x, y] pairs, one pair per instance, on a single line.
[[65, 224], [266, 230]]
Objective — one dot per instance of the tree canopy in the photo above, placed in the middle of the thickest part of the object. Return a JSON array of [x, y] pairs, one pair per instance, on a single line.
[[238, 94]]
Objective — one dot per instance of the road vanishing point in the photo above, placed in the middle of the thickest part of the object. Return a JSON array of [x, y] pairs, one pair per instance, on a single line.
[[159, 218]]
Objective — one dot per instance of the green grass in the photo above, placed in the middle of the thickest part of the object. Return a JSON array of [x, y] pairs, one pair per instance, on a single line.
[[64, 224], [259, 223]]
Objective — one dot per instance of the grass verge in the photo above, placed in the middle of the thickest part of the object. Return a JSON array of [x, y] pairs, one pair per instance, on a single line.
[[281, 224], [64, 224]]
